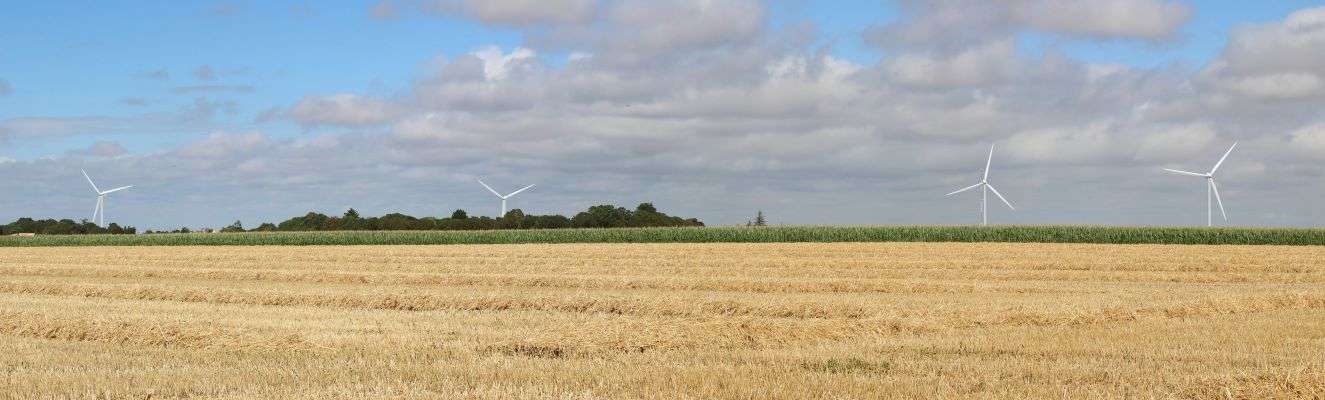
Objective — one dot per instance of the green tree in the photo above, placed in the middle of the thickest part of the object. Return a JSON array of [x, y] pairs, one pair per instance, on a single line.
[[759, 220], [546, 222], [235, 227], [398, 222], [351, 221], [602, 216], [309, 222], [514, 219]]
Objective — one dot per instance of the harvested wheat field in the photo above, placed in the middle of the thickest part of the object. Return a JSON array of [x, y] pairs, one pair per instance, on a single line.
[[664, 321]]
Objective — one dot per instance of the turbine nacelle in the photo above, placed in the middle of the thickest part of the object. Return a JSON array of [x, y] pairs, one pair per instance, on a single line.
[[502, 197], [100, 210], [1212, 189], [987, 187]]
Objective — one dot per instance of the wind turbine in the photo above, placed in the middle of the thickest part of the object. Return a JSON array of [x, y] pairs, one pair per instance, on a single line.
[[1210, 187], [503, 198], [985, 188], [100, 210]]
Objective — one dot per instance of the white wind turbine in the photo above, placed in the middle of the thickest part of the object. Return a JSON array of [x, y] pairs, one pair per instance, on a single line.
[[503, 198], [100, 210], [986, 187], [1210, 187]]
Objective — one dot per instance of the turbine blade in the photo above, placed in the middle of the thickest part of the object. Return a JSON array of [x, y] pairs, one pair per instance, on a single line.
[[1184, 172], [115, 190], [965, 189], [518, 191], [1215, 187], [1000, 197], [1221, 159], [989, 162], [89, 181], [494, 192]]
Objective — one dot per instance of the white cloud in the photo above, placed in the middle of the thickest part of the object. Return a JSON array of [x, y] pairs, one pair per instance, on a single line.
[[487, 79], [666, 25], [521, 12], [1134, 19], [1277, 86], [1310, 139], [992, 63], [102, 148], [948, 25], [1291, 45], [58, 126], [1170, 143], [224, 145], [343, 109], [496, 66], [575, 56], [1277, 60], [1065, 145]]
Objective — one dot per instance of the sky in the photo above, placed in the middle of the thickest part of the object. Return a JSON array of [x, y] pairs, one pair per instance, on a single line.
[[845, 112]]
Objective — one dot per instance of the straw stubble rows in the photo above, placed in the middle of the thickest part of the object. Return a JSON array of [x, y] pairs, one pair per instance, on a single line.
[[844, 320]]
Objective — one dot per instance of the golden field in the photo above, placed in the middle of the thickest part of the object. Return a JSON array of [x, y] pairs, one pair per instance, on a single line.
[[664, 321]]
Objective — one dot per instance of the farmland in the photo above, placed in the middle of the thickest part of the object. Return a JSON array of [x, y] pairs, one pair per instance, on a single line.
[[719, 320], [779, 234]]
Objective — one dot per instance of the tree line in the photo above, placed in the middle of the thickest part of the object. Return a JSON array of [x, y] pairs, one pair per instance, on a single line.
[[63, 227], [600, 216]]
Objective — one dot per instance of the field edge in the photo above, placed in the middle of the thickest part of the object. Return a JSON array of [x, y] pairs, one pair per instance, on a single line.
[[777, 234]]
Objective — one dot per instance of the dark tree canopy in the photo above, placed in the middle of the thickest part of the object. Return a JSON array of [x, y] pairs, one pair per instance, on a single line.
[[62, 227], [600, 216], [235, 227]]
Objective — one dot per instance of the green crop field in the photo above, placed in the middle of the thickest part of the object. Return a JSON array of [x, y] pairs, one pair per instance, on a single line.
[[783, 234]]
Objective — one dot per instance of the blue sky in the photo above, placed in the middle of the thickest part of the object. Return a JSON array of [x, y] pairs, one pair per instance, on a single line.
[[74, 61], [68, 60], [150, 78]]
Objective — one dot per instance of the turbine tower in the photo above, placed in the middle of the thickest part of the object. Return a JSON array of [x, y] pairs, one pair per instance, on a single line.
[[985, 189], [100, 210], [503, 198], [1210, 187]]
